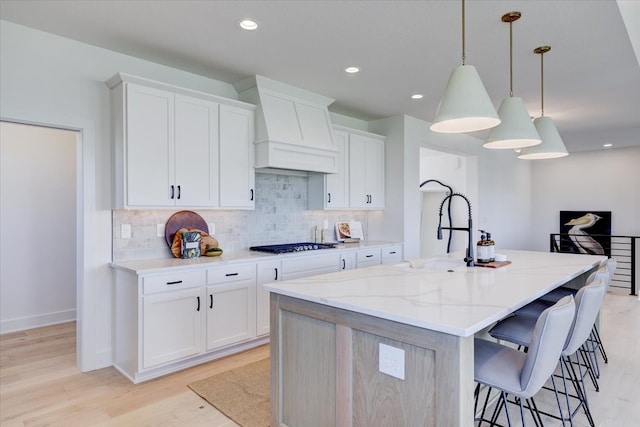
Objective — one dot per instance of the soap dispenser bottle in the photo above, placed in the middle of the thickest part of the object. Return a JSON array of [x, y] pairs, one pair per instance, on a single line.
[[492, 248], [483, 248]]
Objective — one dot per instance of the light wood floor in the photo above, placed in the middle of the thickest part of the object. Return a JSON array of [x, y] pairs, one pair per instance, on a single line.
[[40, 384]]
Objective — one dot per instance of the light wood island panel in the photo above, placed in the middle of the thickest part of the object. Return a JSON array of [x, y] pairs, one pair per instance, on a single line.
[[332, 377]]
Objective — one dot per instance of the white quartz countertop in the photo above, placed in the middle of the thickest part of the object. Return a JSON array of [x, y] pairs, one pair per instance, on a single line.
[[444, 295], [162, 265]]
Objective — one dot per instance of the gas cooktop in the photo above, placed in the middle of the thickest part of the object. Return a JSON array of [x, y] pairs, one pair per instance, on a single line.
[[292, 247]]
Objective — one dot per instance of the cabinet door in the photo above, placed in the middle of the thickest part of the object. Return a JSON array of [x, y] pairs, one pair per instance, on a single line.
[[172, 326], [230, 313], [237, 174], [337, 192], [196, 152], [374, 173], [268, 272], [149, 170], [347, 261], [366, 172]]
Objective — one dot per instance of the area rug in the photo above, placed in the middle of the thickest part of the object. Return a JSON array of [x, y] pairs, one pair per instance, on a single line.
[[242, 394]]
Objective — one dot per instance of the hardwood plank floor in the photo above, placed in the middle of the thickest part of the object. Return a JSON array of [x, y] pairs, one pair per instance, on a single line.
[[41, 386]]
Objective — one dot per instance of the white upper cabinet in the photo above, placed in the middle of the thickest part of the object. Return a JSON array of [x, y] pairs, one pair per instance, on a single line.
[[179, 148], [237, 175], [148, 145], [359, 182], [366, 172], [331, 191], [196, 152]]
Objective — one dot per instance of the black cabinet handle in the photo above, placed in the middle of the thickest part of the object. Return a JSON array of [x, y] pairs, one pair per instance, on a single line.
[[344, 264], [198, 308], [179, 192], [392, 252], [174, 283], [210, 300], [329, 198], [368, 256], [276, 269], [231, 274], [172, 192], [251, 194]]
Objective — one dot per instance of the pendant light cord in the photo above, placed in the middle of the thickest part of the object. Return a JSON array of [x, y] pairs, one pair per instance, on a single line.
[[542, 84], [511, 59], [464, 54]]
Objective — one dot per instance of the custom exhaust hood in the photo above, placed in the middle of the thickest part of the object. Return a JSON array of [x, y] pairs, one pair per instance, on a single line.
[[293, 127]]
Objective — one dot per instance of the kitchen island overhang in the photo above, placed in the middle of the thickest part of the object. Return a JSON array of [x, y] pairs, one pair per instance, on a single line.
[[326, 332]]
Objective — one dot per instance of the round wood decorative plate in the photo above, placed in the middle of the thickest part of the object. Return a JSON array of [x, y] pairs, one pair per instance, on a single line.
[[183, 219]]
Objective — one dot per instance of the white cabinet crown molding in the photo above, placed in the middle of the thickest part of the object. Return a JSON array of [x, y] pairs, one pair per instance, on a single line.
[[119, 78]]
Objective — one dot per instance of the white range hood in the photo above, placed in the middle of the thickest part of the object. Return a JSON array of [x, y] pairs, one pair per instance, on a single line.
[[293, 127]]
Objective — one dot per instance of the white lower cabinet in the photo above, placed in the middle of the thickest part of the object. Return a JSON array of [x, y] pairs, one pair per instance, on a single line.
[[391, 254], [368, 257], [268, 272], [231, 309], [347, 261], [171, 326], [309, 265], [186, 316]]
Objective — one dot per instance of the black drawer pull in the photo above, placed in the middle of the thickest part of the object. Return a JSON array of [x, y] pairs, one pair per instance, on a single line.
[[329, 198], [392, 253], [172, 192], [231, 274], [344, 264], [177, 282], [369, 256], [210, 300], [276, 273], [198, 308], [179, 191]]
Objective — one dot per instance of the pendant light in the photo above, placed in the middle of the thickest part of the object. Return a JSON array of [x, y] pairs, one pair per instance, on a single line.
[[465, 106], [552, 146], [516, 130]]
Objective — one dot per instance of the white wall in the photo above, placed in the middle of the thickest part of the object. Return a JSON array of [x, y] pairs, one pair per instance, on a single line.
[[500, 195], [38, 226], [52, 80], [605, 180]]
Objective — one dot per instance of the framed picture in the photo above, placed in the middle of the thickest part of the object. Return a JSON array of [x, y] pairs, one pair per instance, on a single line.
[[585, 232]]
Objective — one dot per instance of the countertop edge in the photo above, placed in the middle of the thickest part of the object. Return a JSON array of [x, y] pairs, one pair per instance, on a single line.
[[164, 265]]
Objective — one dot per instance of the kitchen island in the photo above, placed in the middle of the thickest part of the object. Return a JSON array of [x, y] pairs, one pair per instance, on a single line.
[[332, 334]]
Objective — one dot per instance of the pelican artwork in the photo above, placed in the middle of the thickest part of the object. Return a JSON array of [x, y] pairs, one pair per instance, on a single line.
[[583, 241]]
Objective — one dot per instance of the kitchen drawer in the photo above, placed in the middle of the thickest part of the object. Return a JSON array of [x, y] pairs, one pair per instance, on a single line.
[[172, 281], [391, 254], [231, 273], [310, 263], [367, 257]]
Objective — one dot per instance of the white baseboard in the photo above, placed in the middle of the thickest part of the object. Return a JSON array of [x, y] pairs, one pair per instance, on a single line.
[[36, 321]]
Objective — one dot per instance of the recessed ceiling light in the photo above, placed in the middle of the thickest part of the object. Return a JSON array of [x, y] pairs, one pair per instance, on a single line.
[[417, 96], [608, 145], [352, 70], [248, 24]]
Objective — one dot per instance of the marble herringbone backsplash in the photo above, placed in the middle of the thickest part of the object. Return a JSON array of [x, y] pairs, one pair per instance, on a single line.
[[280, 216]]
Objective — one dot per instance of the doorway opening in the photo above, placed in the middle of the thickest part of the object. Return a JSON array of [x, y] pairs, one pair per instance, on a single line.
[[75, 196]]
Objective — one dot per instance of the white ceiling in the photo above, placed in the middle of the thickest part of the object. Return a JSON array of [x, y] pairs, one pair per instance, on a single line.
[[592, 75]]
